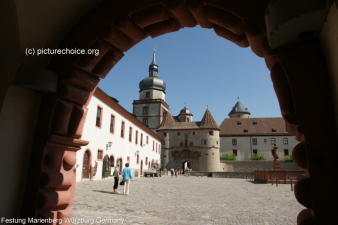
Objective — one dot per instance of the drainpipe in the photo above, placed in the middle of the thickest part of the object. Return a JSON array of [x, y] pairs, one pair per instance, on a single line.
[[250, 146]]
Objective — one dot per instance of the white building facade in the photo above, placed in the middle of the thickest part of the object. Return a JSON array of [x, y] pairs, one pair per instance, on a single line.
[[244, 136], [115, 138]]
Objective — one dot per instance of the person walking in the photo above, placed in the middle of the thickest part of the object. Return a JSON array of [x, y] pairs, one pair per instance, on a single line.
[[116, 179], [127, 177]]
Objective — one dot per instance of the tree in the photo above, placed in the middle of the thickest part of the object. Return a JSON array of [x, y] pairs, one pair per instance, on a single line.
[[257, 157], [230, 157]]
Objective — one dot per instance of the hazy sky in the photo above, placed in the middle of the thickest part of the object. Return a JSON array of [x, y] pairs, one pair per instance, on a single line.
[[200, 69]]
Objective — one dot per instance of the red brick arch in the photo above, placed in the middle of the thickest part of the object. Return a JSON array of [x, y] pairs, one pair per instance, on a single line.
[[298, 72]]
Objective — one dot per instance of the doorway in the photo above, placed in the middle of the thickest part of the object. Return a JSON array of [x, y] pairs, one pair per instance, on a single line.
[[85, 165], [106, 167], [185, 165]]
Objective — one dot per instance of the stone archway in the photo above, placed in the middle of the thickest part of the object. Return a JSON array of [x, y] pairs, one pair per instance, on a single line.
[[298, 71]]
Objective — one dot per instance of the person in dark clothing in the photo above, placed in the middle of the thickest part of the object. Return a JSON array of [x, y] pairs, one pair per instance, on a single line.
[[116, 178]]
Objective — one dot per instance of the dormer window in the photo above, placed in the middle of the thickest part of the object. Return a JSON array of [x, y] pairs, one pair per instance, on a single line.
[[254, 123], [245, 131], [273, 130], [239, 123]]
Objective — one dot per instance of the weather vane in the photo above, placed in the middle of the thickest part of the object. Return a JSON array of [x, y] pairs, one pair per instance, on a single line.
[[154, 47]]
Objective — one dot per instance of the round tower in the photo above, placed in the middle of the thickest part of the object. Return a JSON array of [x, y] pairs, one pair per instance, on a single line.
[[239, 111]]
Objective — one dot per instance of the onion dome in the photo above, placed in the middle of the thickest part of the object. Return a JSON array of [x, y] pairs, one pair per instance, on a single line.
[[185, 111], [153, 81]]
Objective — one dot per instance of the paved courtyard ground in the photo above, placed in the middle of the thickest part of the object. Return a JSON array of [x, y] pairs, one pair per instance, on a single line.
[[185, 200]]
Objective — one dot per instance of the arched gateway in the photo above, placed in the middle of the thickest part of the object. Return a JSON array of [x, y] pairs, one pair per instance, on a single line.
[[298, 72]]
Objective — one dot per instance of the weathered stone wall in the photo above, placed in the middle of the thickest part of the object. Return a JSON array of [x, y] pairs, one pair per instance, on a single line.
[[251, 166]]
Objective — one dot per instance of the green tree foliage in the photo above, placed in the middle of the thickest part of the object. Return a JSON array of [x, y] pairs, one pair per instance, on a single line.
[[230, 157], [257, 157], [287, 158]]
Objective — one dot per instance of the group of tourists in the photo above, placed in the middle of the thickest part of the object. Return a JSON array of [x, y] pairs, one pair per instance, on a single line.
[[180, 171]]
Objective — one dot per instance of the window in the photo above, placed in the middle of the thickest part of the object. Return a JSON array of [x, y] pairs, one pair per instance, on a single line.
[[181, 144], [239, 123], [164, 134], [273, 130], [254, 141], [285, 141], [145, 121], [141, 142], [122, 129], [146, 161], [205, 142], [286, 151], [211, 133], [100, 154], [245, 131], [128, 159], [147, 139], [234, 152], [273, 141], [130, 133], [112, 123], [254, 123], [136, 137], [138, 159], [178, 134], [153, 145], [193, 133], [254, 151], [148, 94], [191, 144], [234, 141], [98, 116], [163, 142], [145, 110], [264, 139]]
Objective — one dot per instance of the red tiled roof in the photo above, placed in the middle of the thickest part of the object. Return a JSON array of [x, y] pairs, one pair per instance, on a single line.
[[208, 121], [253, 126]]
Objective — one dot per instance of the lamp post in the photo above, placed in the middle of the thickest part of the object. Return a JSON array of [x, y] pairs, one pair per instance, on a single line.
[[108, 145]]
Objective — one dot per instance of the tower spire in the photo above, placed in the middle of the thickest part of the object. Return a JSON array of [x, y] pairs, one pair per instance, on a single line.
[[153, 67]]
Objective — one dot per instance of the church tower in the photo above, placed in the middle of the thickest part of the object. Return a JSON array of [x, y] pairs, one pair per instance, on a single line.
[[151, 106]]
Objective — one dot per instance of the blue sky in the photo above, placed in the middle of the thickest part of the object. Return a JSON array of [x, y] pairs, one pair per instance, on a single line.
[[200, 69]]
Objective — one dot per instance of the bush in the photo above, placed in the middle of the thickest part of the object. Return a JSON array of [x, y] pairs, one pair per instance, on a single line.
[[230, 157], [287, 158], [257, 157]]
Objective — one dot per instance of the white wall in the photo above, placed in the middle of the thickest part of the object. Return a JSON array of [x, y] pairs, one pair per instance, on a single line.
[[121, 147], [244, 146]]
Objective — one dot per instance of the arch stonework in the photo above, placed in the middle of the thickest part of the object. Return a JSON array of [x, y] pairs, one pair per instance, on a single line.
[[298, 72]]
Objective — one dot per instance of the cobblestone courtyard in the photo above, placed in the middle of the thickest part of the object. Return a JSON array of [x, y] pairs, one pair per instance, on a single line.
[[185, 200]]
